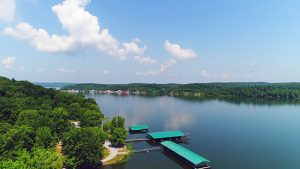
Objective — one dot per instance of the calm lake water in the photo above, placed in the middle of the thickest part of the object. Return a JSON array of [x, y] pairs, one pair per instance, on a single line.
[[232, 136]]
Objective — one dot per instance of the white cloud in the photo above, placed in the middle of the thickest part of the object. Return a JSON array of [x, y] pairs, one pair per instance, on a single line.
[[64, 70], [203, 73], [40, 70], [163, 67], [7, 10], [105, 72], [214, 76], [40, 39], [178, 52], [83, 31], [224, 76], [9, 62], [144, 60], [250, 71], [21, 68]]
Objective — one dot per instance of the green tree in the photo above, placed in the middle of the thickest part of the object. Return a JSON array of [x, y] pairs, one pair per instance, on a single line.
[[116, 130], [40, 159], [34, 118], [83, 147], [4, 127], [118, 137], [117, 122], [91, 118], [107, 126], [17, 138], [44, 138], [60, 123], [75, 111]]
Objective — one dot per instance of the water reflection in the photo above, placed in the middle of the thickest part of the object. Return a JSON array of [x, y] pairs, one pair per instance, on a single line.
[[246, 101], [231, 133]]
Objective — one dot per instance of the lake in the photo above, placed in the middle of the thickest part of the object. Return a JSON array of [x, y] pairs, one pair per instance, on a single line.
[[231, 135]]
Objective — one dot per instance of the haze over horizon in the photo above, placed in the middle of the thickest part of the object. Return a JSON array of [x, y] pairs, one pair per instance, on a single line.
[[112, 42]]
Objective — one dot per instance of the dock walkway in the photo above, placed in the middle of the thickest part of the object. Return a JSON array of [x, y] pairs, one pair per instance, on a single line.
[[136, 140], [147, 150]]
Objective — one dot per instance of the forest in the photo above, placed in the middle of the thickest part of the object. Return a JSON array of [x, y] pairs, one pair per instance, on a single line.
[[247, 90], [36, 129]]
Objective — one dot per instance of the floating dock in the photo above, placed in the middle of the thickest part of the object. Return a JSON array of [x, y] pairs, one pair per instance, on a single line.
[[139, 128], [136, 140], [190, 158], [166, 135], [146, 150]]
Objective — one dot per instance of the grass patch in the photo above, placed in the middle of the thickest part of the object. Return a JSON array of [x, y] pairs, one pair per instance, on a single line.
[[121, 158], [105, 152]]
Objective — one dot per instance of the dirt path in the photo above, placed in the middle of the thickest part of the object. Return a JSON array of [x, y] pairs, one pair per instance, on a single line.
[[113, 152]]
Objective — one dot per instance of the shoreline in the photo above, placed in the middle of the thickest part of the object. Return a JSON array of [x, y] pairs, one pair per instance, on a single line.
[[116, 155]]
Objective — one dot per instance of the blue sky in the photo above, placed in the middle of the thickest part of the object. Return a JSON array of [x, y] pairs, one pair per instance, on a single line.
[[110, 41]]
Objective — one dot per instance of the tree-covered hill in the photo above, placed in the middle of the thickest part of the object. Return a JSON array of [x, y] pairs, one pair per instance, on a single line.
[[34, 120], [260, 90]]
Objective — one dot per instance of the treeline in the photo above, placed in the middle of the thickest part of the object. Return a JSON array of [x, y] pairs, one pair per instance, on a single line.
[[261, 90], [35, 120]]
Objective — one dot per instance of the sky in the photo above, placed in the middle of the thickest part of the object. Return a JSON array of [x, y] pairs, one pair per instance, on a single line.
[[133, 41]]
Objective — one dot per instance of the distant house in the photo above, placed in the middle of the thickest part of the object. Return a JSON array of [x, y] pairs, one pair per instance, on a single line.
[[76, 123], [126, 92], [119, 92]]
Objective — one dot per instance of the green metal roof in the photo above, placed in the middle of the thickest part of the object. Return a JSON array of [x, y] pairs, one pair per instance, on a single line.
[[166, 134], [184, 152], [139, 127]]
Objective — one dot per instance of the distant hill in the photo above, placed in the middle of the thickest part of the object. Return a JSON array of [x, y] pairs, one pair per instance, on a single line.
[[56, 85], [256, 90]]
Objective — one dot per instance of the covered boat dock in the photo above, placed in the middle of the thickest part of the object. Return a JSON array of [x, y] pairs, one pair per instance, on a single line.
[[139, 128], [166, 135], [190, 158]]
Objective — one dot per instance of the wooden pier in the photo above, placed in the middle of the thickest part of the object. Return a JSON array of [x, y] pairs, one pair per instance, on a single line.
[[136, 140], [147, 150]]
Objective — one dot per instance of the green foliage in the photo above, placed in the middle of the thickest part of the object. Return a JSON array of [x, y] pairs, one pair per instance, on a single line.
[[117, 122], [33, 119], [118, 137], [40, 159], [107, 126], [83, 147], [44, 138], [61, 122], [91, 118], [116, 130], [4, 128], [75, 111], [17, 138]]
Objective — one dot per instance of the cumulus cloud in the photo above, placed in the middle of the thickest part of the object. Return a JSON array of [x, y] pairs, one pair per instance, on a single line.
[[203, 73], [64, 70], [214, 76], [163, 67], [7, 10], [144, 60], [9, 62], [40, 70], [178, 52], [83, 30], [252, 73], [105, 72]]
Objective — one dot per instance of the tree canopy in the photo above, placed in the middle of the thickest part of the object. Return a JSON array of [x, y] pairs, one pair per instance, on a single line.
[[33, 120]]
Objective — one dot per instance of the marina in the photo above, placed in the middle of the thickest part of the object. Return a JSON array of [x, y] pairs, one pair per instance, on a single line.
[[170, 148]]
